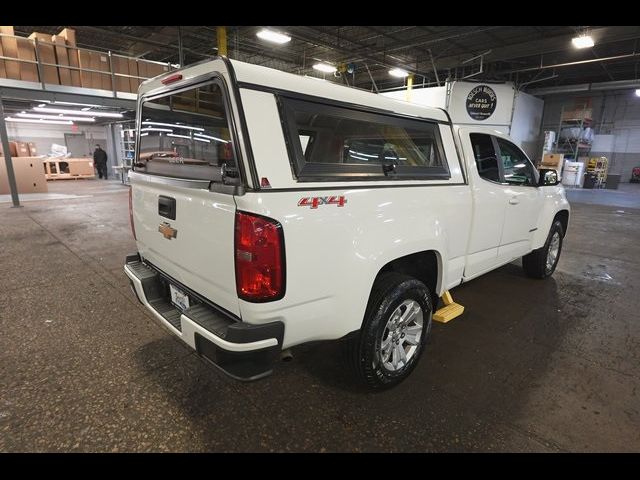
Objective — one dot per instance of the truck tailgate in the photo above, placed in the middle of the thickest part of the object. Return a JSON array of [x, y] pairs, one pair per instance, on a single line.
[[196, 247]]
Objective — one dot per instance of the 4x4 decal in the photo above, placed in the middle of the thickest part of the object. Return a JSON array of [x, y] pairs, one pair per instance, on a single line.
[[314, 202]]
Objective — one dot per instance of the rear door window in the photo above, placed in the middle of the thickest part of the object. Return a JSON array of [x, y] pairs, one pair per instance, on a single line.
[[485, 156], [186, 134]]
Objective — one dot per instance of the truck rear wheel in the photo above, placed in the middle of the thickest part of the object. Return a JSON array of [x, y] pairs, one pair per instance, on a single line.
[[541, 263], [396, 325]]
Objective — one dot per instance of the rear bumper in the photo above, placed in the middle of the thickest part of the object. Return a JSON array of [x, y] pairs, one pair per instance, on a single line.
[[242, 351]]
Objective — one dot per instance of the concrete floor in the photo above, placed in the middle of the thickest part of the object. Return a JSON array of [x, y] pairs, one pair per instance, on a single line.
[[531, 365]]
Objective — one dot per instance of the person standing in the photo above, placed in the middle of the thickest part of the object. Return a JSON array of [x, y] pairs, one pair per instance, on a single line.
[[100, 161]]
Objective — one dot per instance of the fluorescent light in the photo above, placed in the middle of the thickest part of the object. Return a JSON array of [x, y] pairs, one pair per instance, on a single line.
[[638, 92], [144, 134], [26, 120], [210, 137], [271, 36], [324, 67], [398, 72], [152, 129], [173, 125], [179, 136], [583, 41], [78, 112], [55, 117], [201, 140]]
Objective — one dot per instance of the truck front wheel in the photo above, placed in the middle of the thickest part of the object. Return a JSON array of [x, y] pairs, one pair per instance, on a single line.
[[542, 262], [396, 325]]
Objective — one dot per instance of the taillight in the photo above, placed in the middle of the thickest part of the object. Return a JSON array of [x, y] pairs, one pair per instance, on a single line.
[[133, 229], [259, 252]]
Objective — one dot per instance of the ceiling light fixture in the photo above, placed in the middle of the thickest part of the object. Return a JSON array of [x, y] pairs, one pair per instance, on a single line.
[[638, 92], [178, 136], [271, 36], [27, 120], [324, 67], [55, 117], [398, 72], [78, 112], [583, 41], [201, 140]]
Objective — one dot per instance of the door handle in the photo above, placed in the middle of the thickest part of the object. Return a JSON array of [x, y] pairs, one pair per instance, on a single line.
[[167, 207], [514, 201]]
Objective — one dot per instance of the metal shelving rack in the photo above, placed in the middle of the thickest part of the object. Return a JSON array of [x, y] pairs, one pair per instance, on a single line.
[[127, 148], [568, 146]]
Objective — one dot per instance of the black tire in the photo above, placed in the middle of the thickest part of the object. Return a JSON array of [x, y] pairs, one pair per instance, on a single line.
[[535, 263], [390, 292]]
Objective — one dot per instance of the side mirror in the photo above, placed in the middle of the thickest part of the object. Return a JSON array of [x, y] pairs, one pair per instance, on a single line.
[[548, 177]]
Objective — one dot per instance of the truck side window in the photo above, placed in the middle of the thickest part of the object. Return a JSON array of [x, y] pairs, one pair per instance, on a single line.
[[485, 156], [518, 170]]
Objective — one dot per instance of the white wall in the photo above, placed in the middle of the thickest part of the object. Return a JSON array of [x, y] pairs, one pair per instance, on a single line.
[[525, 126], [46, 134], [616, 122]]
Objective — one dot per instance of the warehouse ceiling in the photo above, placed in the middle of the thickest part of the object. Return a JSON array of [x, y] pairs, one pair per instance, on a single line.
[[529, 56]]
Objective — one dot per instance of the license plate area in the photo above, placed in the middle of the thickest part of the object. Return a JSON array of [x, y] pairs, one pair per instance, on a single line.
[[179, 298]]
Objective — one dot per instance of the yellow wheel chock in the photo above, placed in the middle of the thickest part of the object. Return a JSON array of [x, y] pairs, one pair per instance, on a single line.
[[450, 310]]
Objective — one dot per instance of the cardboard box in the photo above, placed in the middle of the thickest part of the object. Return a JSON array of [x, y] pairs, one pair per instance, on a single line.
[[62, 58], [10, 49], [3, 71], [33, 151], [26, 51], [103, 65], [154, 69], [80, 166], [13, 149], [29, 175], [47, 54], [100, 63], [121, 65], [22, 149], [69, 35], [134, 83], [86, 77], [553, 159]]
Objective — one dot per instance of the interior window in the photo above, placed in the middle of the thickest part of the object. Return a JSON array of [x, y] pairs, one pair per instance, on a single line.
[[485, 156], [518, 170]]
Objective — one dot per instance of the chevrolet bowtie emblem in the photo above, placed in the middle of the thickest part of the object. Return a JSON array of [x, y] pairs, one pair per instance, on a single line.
[[168, 232]]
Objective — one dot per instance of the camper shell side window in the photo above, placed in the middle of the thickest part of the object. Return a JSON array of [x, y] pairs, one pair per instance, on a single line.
[[332, 142]]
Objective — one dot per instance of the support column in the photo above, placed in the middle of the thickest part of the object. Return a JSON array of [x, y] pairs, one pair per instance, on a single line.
[[180, 49], [222, 40], [409, 87], [7, 158]]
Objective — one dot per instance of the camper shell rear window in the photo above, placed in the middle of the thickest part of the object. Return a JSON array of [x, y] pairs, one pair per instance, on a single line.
[[186, 134]]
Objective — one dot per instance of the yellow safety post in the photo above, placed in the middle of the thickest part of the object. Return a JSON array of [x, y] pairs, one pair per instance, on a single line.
[[222, 41], [407, 96], [450, 310]]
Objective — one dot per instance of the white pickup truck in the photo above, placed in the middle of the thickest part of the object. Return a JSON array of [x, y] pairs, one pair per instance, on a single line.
[[271, 210]]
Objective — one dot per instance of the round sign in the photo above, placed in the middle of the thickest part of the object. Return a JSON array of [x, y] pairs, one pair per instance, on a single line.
[[481, 102]]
